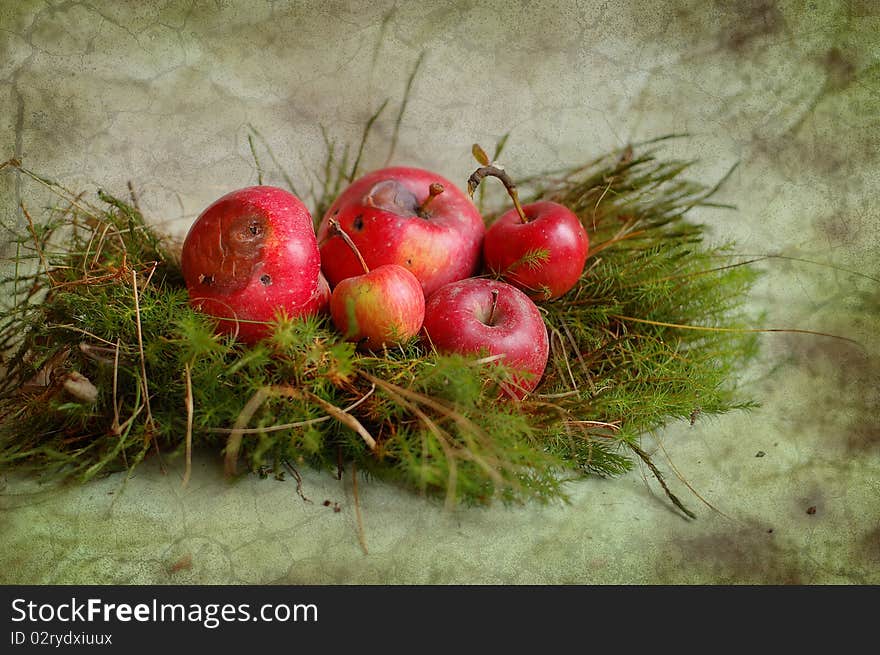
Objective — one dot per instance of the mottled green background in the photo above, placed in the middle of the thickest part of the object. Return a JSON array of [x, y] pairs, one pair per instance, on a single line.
[[97, 94]]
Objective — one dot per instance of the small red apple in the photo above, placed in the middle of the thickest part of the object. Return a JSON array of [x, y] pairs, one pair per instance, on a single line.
[[540, 248], [482, 315], [379, 308], [543, 255], [249, 255], [405, 216]]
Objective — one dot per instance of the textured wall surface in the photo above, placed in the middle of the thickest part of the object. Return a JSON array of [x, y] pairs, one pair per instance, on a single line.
[[94, 94]]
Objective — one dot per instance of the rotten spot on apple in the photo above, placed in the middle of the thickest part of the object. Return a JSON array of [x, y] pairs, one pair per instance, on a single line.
[[392, 196], [229, 257]]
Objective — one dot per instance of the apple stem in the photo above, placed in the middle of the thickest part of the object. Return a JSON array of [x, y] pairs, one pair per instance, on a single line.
[[491, 319], [433, 191], [493, 171], [336, 226]]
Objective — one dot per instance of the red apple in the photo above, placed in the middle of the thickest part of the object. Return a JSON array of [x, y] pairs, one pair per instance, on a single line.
[[540, 248], [479, 315], [249, 255], [379, 308], [405, 216], [543, 255]]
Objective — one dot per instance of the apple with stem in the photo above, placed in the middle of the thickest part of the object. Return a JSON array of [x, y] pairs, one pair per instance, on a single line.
[[481, 315], [406, 216], [381, 307], [540, 247], [250, 255]]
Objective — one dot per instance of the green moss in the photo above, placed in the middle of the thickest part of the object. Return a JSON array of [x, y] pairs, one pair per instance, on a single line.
[[618, 367]]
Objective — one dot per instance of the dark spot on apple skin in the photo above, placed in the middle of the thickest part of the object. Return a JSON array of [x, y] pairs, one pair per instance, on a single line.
[[409, 262], [206, 279], [358, 223], [265, 279], [246, 236], [233, 252]]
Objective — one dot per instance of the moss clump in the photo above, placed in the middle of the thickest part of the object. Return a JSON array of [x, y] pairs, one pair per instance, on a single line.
[[106, 362]]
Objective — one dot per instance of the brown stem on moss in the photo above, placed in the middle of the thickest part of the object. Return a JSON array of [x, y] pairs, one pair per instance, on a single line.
[[233, 442], [493, 171], [650, 464], [299, 480], [336, 226], [491, 319], [346, 419], [433, 191], [144, 379]]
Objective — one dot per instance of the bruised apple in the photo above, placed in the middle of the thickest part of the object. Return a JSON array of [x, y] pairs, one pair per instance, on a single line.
[[406, 216], [250, 255]]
